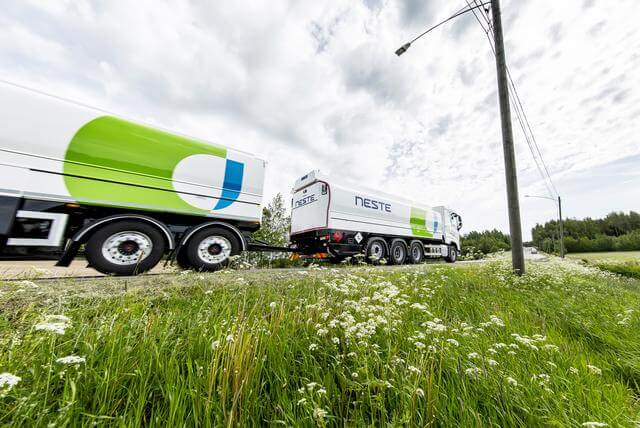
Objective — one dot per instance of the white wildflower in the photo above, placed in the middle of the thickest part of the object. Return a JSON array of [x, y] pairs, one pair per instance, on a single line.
[[313, 347], [319, 414], [354, 375], [322, 332], [420, 345], [594, 370], [492, 363], [8, 380], [419, 392], [473, 372], [497, 321], [311, 386], [53, 327], [594, 424], [215, 344], [302, 401], [335, 340], [550, 347], [71, 359], [414, 370], [453, 342], [322, 391], [473, 355], [573, 370], [272, 305], [511, 381], [230, 338]]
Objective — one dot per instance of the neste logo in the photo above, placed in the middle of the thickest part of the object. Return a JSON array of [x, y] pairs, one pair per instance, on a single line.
[[373, 204]]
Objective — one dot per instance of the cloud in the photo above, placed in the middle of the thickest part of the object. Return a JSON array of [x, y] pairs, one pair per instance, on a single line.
[[313, 85]]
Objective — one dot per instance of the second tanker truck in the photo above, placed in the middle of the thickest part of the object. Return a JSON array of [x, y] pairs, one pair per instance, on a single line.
[[336, 220]]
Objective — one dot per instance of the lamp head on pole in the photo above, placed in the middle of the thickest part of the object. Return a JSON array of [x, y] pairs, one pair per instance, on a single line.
[[402, 49]]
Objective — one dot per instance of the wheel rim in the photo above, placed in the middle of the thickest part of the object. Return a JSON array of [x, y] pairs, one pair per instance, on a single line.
[[127, 248], [398, 253], [376, 250], [415, 253], [214, 249]]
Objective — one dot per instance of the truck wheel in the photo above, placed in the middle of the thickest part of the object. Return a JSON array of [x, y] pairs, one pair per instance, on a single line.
[[210, 249], [125, 248], [376, 249], [416, 252], [453, 254], [398, 252]]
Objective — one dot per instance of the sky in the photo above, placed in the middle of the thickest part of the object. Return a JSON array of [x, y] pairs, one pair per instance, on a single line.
[[309, 84]]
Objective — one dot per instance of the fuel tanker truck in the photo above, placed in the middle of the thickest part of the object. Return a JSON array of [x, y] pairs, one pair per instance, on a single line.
[[335, 220], [125, 194]]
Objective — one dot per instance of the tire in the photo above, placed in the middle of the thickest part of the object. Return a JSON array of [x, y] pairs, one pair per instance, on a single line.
[[181, 259], [416, 252], [210, 249], [453, 254], [376, 249], [126, 247], [398, 252]]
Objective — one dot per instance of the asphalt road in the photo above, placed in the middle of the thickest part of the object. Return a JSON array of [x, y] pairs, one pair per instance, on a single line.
[[33, 269]]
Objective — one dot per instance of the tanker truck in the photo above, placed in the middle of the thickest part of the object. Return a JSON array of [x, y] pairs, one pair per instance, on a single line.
[[335, 220], [72, 176]]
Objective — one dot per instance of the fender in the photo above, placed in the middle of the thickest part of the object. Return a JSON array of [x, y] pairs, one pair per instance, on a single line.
[[81, 236], [230, 227]]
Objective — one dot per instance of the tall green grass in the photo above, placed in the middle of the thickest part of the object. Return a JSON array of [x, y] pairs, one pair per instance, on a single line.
[[429, 345]]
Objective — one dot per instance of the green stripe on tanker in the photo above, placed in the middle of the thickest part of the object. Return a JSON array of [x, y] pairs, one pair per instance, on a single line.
[[97, 150], [419, 223]]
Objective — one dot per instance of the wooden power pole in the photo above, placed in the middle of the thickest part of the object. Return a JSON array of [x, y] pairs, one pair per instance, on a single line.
[[515, 227]]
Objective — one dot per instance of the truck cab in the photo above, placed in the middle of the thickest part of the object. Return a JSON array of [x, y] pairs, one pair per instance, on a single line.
[[451, 227]]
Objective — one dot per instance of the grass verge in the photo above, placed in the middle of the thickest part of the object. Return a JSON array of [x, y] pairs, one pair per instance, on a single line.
[[426, 345]]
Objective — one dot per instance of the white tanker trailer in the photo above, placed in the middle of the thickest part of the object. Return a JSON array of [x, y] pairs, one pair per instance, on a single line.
[[74, 177], [336, 220]]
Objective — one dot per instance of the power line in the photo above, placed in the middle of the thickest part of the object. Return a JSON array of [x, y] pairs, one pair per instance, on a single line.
[[519, 109]]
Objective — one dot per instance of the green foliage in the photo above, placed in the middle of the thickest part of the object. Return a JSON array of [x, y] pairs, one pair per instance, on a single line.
[[475, 244], [615, 232], [630, 269], [274, 230], [358, 346]]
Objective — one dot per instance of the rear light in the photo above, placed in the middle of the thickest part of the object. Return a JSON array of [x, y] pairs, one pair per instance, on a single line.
[[337, 236], [324, 237]]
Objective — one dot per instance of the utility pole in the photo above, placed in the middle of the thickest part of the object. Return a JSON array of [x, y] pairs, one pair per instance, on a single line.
[[515, 228], [561, 227]]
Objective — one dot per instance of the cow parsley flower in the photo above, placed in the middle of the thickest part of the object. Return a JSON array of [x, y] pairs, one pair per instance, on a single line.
[[319, 414], [71, 359], [473, 355], [313, 347], [419, 392], [8, 381], [594, 424], [453, 342], [511, 381], [594, 370], [473, 372], [52, 327], [492, 363], [272, 305], [215, 344], [573, 370], [414, 370]]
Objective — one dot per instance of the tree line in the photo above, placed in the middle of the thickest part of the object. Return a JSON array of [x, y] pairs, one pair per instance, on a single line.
[[617, 231]]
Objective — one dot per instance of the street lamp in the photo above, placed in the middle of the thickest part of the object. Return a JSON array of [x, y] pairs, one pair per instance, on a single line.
[[515, 226], [559, 202]]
